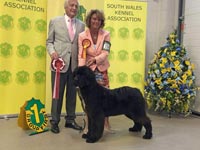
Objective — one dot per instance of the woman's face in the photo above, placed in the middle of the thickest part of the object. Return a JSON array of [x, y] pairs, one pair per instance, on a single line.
[[95, 22]]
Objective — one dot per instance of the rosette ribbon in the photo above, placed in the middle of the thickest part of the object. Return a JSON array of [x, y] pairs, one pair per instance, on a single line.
[[57, 65], [86, 43]]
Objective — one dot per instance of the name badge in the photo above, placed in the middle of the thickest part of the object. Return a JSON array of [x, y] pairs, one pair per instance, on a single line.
[[106, 46]]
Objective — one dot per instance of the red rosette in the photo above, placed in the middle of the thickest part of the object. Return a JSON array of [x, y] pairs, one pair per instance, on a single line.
[[58, 65]]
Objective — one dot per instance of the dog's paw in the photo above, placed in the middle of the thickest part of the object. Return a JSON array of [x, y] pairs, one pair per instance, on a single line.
[[135, 129], [90, 140], [147, 136]]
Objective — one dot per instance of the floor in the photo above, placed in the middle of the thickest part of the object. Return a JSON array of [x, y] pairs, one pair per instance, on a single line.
[[175, 133]]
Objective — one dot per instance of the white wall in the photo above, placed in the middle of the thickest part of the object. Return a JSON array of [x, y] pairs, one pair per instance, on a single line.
[[162, 19]]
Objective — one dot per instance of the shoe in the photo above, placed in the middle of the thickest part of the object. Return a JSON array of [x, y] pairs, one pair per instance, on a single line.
[[84, 136], [73, 125], [55, 128]]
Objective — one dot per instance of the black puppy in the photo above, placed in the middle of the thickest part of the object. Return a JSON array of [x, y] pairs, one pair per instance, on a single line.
[[101, 102]]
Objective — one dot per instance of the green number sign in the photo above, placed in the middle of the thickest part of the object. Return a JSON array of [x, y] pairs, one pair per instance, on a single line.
[[36, 116]]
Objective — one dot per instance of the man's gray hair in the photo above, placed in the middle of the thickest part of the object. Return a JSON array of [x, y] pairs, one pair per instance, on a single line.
[[67, 2]]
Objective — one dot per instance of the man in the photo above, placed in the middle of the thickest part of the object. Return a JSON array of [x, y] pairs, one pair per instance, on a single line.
[[61, 45]]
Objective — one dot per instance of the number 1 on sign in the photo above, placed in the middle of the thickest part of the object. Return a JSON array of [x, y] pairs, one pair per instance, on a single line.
[[35, 109]]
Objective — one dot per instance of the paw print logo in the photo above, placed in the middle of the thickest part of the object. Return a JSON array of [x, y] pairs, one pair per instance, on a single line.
[[39, 77], [123, 55], [23, 51], [136, 77], [40, 51], [5, 50], [137, 55], [111, 30], [122, 77], [123, 33], [6, 22], [22, 77], [5, 77], [138, 33], [24, 23], [41, 25]]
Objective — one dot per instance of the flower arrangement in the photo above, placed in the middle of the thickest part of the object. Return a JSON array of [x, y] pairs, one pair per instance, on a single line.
[[170, 83]]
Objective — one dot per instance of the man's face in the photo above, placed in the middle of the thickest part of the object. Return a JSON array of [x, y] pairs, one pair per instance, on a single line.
[[71, 8]]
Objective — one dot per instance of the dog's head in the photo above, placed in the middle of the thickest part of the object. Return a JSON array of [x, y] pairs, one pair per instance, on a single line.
[[83, 76]]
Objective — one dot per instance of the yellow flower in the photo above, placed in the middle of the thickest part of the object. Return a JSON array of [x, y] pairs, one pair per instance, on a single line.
[[176, 63], [162, 101], [164, 60], [187, 62], [173, 53], [164, 71], [186, 107], [159, 53], [177, 68], [162, 65], [169, 69], [155, 57], [169, 104], [184, 77], [172, 36], [189, 72], [174, 86], [158, 81], [169, 80], [190, 82]]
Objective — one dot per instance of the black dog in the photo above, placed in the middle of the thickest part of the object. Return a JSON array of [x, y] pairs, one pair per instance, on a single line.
[[101, 102]]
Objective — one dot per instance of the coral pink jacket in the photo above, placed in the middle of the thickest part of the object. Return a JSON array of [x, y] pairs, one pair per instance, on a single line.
[[94, 51]]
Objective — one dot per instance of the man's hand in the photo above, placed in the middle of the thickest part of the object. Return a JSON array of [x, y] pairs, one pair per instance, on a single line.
[[54, 55]]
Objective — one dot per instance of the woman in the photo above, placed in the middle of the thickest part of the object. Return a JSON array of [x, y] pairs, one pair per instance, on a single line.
[[94, 47]]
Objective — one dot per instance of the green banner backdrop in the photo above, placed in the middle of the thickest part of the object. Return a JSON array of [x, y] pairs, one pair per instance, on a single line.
[[22, 53]]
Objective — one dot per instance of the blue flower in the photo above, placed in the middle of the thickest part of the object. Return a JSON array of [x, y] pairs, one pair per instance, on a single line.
[[178, 48], [165, 75]]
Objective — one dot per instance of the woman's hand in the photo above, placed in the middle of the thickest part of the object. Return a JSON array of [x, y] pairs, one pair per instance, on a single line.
[[91, 61]]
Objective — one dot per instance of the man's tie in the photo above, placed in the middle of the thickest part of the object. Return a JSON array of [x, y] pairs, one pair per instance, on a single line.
[[71, 30]]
